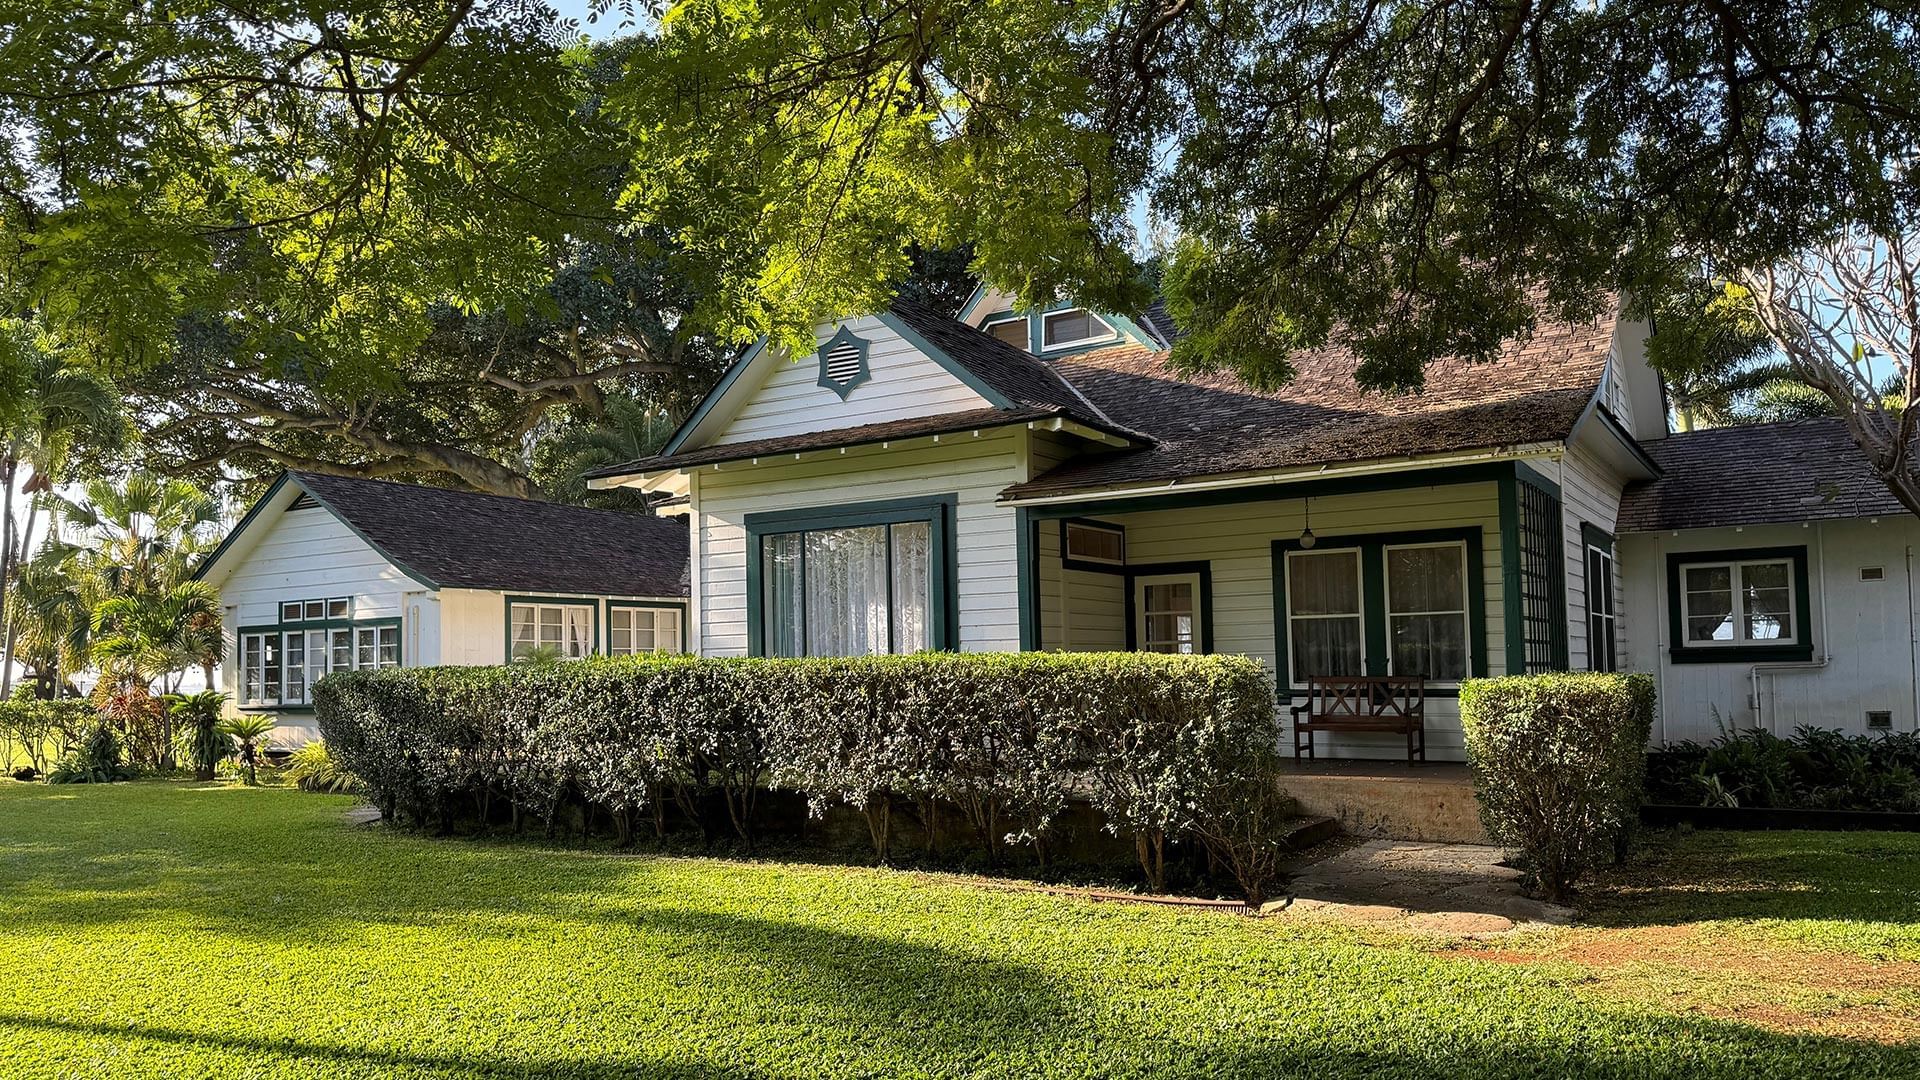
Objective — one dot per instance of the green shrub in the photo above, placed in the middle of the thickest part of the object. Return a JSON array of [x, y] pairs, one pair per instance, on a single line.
[[37, 732], [1559, 764], [98, 759], [1001, 742], [196, 724], [312, 768], [1815, 769]]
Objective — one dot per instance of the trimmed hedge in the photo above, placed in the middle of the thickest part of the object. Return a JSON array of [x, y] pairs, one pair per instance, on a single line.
[[1559, 764], [1161, 746]]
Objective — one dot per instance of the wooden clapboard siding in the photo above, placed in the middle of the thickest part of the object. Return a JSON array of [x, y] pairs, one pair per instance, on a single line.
[[1866, 628], [1589, 493], [788, 400], [974, 467]]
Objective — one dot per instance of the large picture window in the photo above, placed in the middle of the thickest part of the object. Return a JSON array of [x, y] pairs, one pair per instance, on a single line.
[[1739, 605], [279, 665], [851, 582]]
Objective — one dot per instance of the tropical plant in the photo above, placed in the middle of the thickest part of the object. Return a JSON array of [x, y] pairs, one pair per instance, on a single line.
[[196, 719], [41, 730], [97, 760], [139, 535], [539, 656], [149, 636], [250, 734], [51, 411], [312, 768]]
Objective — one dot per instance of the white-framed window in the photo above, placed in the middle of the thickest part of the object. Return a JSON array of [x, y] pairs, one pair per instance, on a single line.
[[1168, 613], [564, 627], [632, 631], [1011, 329], [1325, 632], [1426, 602], [1073, 326], [1602, 645], [320, 610], [1091, 542], [280, 666], [1738, 602]]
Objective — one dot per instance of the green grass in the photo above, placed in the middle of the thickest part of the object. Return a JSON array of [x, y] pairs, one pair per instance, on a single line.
[[164, 929], [1852, 892]]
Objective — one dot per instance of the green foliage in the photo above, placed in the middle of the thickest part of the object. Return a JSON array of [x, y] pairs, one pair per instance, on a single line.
[[450, 961], [1559, 764], [196, 719], [1816, 769], [312, 768], [37, 731], [96, 760], [1158, 744], [249, 732]]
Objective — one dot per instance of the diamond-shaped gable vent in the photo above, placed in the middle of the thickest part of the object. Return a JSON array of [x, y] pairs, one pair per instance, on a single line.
[[843, 362]]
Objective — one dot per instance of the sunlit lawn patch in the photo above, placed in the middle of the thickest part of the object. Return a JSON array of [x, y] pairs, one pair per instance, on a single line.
[[173, 930]]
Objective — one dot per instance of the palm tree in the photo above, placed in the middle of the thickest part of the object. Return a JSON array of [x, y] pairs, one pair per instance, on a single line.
[[139, 638], [48, 408], [249, 734], [52, 618], [143, 534]]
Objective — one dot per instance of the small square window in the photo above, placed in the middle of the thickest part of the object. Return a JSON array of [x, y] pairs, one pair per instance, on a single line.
[[290, 611], [316, 609], [339, 608], [1879, 720], [1012, 331]]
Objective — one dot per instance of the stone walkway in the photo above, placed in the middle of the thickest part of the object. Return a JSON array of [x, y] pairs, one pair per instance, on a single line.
[[1458, 889]]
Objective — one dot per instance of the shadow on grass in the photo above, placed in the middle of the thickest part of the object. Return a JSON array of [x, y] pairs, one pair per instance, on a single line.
[[1679, 877]]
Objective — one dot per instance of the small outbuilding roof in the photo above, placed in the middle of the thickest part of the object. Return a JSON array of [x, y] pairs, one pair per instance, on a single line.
[[1756, 474], [467, 540]]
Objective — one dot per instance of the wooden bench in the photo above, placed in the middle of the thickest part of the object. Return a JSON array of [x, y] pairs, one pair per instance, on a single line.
[[1363, 703]]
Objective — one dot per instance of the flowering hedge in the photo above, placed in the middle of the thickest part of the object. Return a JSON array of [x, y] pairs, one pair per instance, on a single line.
[[1559, 763], [1161, 746]]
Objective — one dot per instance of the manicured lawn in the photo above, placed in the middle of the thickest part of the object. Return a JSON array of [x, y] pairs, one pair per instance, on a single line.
[[172, 930]]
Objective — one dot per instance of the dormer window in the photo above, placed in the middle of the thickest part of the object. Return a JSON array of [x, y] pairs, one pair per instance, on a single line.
[[1012, 330], [1074, 326]]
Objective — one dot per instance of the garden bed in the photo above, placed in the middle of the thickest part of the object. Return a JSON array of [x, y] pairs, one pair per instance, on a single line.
[[1769, 817]]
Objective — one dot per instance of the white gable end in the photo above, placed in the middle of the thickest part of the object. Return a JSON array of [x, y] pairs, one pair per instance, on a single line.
[[781, 396]]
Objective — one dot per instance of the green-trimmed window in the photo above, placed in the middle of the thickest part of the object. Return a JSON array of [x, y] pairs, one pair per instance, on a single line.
[[280, 664], [563, 626], [1739, 606], [851, 581], [635, 630]]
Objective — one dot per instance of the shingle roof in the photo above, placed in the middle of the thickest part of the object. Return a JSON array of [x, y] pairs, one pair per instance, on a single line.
[[1216, 424], [864, 434], [1014, 374], [1801, 470], [464, 540]]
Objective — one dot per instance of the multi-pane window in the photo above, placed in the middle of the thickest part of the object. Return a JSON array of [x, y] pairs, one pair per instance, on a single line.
[[635, 630], [1738, 603], [1426, 602], [849, 591], [1602, 647], [338, 607], [564, 629], [1324, 631], [1169, 614], [1059, 329], [280, 666]]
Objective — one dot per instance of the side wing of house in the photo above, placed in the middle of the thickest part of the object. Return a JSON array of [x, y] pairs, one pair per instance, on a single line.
[[303, 594], [495, 626]]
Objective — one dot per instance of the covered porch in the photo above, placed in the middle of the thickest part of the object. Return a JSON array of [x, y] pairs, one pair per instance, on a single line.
[[1443, 573]]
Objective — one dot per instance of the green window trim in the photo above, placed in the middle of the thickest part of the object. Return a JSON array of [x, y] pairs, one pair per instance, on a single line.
[[1513, 506], [1373, 598], [591, 603], [1202, 570], [1594, 536], [1067, 562], [680, 606], [1800, 651], [938, 511]]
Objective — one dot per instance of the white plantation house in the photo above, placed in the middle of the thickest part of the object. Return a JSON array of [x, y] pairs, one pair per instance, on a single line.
[[1020, 480]]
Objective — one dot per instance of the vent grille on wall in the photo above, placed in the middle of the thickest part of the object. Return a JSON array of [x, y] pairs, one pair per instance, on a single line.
[[843, 362], [1872, 573], [1879, 720], [302, 501]]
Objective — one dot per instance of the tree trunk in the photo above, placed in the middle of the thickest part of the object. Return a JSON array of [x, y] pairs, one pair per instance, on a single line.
[[8, 468]]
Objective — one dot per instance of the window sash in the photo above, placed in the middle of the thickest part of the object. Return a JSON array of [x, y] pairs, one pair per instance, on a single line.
[[848, 591], [1602, 646], [1398, 617], [635, 631], [1297, 640], [1166, 622], [1740, 608], [566, 627], [997, 327], [1098, 329], [1085, 542]]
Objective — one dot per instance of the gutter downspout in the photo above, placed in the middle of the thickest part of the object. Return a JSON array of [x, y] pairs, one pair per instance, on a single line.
[[1913, 643], [1771, 670]]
